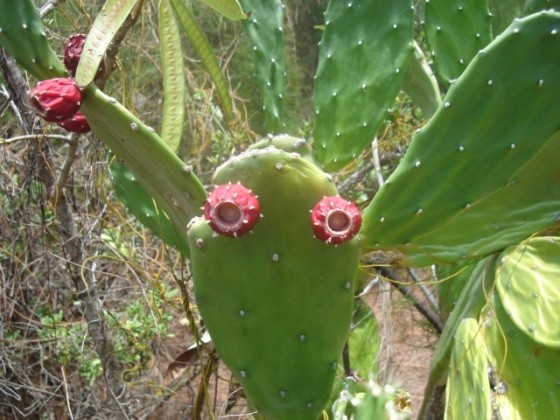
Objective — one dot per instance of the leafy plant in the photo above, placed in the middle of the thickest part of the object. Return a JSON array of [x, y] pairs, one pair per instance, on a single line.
[[476, 186]]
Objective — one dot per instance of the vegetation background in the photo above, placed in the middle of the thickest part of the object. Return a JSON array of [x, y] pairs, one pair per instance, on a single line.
[[68, 247]]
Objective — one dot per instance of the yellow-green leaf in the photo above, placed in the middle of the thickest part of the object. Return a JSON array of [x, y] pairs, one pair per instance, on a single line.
[[229, 8], [204, 51], [173, 112], [106, 24]]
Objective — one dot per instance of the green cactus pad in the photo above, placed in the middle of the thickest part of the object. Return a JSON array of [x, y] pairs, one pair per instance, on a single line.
[[172, 66], [288, 144], [142, 206], [277, 301], [23, 36], [456, 30], [480, 176], [534, 6], [503, 12], [159, 171], [420, 84], [264, 27], [468, 388], [526, 373], [527, 281], [469, 304], [363, 56]]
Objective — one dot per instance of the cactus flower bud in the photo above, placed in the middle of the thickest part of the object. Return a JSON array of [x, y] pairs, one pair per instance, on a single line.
[[57, 99], [335, 220], [73, 51], [76, 124], [232, 210]]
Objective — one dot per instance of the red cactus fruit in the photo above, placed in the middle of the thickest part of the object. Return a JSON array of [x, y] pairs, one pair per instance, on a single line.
[[335, 220], [57, 99], [73, 51], [232, 210], [76, 124]]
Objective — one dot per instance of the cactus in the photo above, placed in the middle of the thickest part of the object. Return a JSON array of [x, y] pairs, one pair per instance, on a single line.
[[22, 34], [513, 124], [279, 315], [265, 30], [526, 282], [522, 352], [456, 31], [468, 387], [374, 39], [141, 204], [277, 292]]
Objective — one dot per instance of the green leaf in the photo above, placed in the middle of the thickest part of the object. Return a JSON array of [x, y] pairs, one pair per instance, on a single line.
[[527, 281], [206, 55], [229, 8], [109, 20], [173, 112], [364, 52]]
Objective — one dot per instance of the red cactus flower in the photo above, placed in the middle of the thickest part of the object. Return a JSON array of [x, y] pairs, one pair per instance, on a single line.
[[76, 124], [57, 99], [232, 210], [335, 220], [73, 51]]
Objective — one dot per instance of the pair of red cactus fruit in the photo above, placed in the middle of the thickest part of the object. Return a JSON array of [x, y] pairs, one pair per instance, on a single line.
[[233, 210], [58, 100]]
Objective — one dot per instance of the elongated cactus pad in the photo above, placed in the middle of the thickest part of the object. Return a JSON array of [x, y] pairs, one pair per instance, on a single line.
[[143, 207], [456, 30], [23, 36], [420, 83], [481, 175], [468, 388], [265, 28], [364, 52], [277, 301], [159, 171]]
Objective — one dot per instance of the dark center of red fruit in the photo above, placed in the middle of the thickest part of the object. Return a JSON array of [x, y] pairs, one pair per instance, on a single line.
[[228, 213], [338, 221]]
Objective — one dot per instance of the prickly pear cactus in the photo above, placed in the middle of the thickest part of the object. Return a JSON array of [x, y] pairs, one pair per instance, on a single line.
[[277, 301], [24, 37], [445, 202]]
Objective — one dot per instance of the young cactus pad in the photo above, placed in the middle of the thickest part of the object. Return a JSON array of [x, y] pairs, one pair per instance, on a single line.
[[276, 301]]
